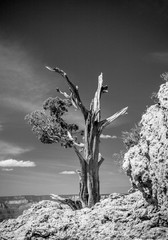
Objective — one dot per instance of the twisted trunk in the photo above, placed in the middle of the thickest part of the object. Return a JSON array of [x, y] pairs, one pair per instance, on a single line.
[[89, 181], [93, 184], [83, 190], [92, 159], [89, 192]]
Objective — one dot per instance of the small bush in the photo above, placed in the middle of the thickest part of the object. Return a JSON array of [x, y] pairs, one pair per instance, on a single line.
[[164, 76], [132, 137], [154, 97]]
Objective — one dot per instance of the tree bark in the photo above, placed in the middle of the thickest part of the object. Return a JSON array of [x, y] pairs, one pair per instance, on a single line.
[[93, 184], [83, 190], [74, 205], [89, 184], [91, 155]]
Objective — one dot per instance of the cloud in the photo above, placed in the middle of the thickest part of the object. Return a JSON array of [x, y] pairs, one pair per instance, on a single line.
[[23, 83], [16, 163], [22, 105], [7, 149], [75, 117], [67, 172], [1, 127], [107, 136], [159, 57], [7, 169]]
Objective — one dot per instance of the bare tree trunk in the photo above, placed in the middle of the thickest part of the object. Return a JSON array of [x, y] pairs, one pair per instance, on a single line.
[[83, 190], [90, 166], [89, 185], [93, 184]]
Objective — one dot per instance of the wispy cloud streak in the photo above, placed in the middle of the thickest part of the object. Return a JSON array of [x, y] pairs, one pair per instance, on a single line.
[[7, 169], [7, 149], [23, 86], [159, 57]]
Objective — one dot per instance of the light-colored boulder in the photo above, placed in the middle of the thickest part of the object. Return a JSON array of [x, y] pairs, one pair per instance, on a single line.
[[147, 162]]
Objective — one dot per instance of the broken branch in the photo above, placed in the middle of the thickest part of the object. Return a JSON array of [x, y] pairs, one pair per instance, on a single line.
[[74, 90], [74, 205], [104, 123], [101, 160]]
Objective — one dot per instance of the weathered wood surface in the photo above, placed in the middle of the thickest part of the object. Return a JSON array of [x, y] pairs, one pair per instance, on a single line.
[[74, 205]]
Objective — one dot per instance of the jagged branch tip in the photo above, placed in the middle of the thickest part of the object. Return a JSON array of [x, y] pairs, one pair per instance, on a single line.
[[74, 91]]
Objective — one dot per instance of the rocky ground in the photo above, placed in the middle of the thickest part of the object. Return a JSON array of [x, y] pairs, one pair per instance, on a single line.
[[13, 206], [117, 217]]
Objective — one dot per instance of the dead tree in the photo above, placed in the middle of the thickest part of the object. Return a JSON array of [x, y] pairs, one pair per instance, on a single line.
[[87, 151]]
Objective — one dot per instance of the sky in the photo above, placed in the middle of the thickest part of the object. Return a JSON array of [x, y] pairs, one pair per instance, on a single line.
[[125, 40]]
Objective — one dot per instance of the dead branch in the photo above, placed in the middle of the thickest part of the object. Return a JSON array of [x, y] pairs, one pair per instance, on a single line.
[[101, 160], [74, 205], [104, 123], [74, 90]]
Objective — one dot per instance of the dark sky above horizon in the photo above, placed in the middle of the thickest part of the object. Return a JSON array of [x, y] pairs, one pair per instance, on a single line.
[[126, 40]]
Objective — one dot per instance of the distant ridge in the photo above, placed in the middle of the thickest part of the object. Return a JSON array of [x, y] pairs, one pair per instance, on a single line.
[[13, 206], [40, 197]]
